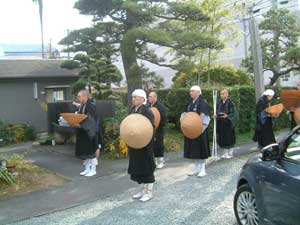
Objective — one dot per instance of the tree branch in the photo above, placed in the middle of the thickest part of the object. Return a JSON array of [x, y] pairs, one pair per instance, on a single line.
[[170, 18], [160, 64], [288, 70], [277, 75]]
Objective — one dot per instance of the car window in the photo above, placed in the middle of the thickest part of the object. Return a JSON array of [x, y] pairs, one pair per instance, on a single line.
[[293, 149]]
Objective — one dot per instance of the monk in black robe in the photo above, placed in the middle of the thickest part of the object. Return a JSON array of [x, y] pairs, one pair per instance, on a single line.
[[99, 130], [141, 161], [292, 113], [264, 125], [198, 148], [291, 118], [86, 142], [227, 117], [159, 147]]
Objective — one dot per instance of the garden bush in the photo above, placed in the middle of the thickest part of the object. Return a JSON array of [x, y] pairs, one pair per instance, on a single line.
[[15, 133]]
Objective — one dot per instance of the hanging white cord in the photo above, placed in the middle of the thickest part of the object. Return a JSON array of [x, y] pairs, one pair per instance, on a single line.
[[215, 146]]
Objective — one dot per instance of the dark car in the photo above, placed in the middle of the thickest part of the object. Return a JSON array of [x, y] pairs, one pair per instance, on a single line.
[[268, 190]]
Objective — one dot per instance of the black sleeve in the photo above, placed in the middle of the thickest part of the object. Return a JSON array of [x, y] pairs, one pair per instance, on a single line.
[[218, 108], [148, 113], [202, 106], [163, 115], [261, 105], [90, 110]]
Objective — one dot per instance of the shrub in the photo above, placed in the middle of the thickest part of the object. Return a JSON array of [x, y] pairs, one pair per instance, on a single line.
[[15, 133], [113, 145], [6, 176], [218, 75]]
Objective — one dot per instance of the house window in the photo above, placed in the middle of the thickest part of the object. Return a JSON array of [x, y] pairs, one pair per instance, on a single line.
[[58, 95], [54, 95], [286, 77]]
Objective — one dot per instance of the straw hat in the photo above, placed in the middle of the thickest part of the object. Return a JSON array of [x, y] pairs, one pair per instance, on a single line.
[[191, 125], [73, 118], [156, 116], [290, 99], [297, 115], [275, 110], [136, 130]]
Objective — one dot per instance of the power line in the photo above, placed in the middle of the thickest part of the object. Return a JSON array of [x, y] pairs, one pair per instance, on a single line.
[[264, 7], [261, 14], [231, 3], [261, 2], [257, 3]]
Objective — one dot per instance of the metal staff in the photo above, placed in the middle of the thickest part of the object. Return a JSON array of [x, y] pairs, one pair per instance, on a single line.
[[215, 146]]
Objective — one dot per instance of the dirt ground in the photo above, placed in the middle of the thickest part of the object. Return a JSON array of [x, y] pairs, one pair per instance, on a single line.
[[30, 178]]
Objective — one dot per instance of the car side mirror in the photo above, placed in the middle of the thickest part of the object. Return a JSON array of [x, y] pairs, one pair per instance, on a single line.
[[271, 152]]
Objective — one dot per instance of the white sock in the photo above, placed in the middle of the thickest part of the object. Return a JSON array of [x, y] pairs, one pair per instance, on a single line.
[[149, 187], [94, 161], [86, 162], [201, 164]]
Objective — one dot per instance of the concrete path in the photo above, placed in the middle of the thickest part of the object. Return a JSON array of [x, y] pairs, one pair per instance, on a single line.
[[178, 199]]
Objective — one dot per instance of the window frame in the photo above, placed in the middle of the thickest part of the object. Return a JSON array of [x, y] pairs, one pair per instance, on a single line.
[[288, 142]]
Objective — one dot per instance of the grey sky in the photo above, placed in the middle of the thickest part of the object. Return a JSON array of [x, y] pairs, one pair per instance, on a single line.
[[19, 21]]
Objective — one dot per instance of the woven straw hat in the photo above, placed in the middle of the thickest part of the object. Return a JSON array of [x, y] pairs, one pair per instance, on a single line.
[[191, 125], [275, 110], [73, 118], [156, 116], [136, 130], [290, 99]]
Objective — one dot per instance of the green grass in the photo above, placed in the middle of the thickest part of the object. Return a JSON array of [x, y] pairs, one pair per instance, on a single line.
[[244, 138]]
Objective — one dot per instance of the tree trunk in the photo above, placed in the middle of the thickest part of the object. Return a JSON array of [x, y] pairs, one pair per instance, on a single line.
[[132, 70]]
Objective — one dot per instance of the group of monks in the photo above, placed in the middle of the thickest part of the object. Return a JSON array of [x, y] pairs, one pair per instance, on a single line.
[[143, 160]]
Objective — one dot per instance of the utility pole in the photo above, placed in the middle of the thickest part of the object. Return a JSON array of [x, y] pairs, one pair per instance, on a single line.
[[245, 38], [68, 33], [257, 57], [50, 49], [245, 32]]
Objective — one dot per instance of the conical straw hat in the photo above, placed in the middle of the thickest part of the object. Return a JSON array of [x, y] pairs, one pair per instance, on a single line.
[[297, 115], [274, 109], [156, 116], [191, 125], [136, 130], [73, 118]]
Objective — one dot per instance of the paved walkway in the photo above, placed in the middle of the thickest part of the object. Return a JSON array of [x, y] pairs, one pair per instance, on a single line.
[[111, 180], [178, 200]]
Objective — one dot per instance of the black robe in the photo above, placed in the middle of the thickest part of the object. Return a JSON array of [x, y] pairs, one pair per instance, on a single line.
[[225, 126], [293, 122], [86, 143], [159, 147], [198, 148], [141, 161], [264, 125]]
